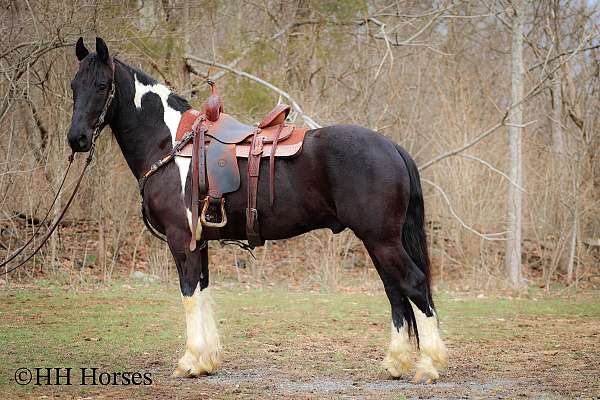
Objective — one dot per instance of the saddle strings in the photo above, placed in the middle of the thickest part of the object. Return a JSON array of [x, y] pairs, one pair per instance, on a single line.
[[238, 243]]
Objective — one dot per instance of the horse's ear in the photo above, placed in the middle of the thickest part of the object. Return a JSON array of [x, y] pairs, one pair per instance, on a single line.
[[80, 49], [102, 50]]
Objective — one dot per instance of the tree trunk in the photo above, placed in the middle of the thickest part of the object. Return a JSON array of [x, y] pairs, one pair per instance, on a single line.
[[570, 262], [515, 196], [557, 132], [147, 16]]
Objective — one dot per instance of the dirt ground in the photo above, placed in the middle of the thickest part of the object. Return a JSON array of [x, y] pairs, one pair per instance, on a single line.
[[281, 344]]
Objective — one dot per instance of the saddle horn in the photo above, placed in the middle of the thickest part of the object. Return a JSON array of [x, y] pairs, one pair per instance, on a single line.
[[213, 106]]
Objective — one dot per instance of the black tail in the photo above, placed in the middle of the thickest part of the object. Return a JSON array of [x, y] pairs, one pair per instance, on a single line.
[[414, 238]]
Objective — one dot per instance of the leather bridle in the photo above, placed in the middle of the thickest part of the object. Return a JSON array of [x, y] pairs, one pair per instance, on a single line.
[[97, 129], [111, 95]]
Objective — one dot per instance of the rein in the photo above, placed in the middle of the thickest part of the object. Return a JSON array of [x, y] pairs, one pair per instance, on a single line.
[[97, 129]]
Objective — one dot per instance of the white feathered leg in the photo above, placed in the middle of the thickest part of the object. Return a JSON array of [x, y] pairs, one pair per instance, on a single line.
[[398, 359], [433, 353], [203, 346]]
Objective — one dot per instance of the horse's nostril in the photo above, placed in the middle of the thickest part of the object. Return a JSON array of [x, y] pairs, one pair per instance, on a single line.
[[82, 141]]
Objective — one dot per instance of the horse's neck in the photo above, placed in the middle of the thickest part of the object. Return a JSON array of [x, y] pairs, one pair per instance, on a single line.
[[145, 132]]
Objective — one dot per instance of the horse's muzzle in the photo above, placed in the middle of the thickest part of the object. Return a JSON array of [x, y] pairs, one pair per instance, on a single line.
[[79, 141]]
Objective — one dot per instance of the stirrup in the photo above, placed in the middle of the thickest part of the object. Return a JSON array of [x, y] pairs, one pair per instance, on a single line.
[[219, 224]]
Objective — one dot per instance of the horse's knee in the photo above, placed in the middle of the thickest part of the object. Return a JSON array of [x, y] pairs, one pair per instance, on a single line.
[[192, 268]]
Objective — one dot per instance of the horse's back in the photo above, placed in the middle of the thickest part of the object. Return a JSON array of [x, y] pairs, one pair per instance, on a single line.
[[364, 171], [358, 156]]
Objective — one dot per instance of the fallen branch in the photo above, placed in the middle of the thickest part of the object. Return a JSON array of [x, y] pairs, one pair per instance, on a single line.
[[307, 119]]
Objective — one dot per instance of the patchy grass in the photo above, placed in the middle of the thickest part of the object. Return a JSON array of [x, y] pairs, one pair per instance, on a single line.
[[297, 344]]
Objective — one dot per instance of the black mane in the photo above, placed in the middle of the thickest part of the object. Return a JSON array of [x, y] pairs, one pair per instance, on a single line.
[[141, 75]]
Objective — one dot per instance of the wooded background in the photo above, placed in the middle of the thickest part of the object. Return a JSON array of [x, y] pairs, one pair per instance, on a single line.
[[495, 100]]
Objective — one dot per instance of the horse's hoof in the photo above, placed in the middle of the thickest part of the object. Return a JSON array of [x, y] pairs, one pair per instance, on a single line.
[[182, 373], [188, 373], [396, 366], [193, 366], [422, 377]]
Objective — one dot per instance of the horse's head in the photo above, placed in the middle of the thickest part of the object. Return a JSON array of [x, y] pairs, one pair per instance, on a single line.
[[91, 87]]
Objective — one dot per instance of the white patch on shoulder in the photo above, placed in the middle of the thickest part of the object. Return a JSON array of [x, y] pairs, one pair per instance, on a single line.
[[183, 163], [171, 116]]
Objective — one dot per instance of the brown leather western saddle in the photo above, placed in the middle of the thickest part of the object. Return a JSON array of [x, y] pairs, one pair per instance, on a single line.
[[218, 141]]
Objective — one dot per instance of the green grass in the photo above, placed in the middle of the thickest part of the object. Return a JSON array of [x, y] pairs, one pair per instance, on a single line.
[[121, 328], [491, 319], [51, 327]]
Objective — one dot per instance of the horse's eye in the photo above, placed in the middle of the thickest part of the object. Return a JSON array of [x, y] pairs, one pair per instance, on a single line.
[[101, 86]]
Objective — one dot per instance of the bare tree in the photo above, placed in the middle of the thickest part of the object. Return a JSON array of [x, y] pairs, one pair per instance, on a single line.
[[515, 196]]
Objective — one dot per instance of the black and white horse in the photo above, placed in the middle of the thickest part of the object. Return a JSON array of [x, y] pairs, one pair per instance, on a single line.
[[346, 177]]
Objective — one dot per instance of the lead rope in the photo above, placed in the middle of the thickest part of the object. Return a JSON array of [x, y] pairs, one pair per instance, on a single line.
[[95, 135], [54, 225], [39, 227]]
